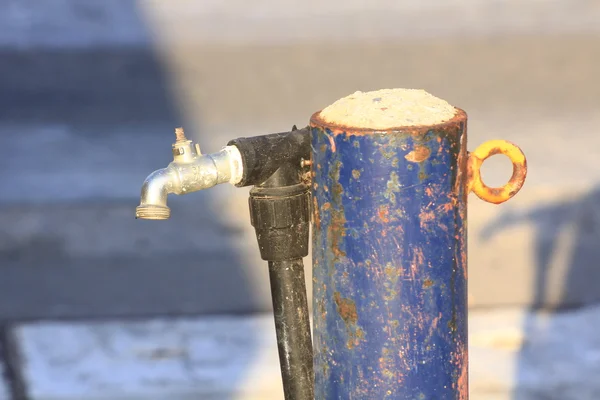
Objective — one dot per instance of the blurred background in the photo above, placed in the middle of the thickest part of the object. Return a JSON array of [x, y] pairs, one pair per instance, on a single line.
[[94, 304]]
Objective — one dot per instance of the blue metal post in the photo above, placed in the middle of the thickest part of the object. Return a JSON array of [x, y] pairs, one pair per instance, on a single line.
[[389, 260]]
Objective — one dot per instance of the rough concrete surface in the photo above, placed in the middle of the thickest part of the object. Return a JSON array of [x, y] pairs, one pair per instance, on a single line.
[[216, 358], [514, 355], [519, 355]]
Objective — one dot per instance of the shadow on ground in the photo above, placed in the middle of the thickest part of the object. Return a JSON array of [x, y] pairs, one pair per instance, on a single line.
[[569, 231]]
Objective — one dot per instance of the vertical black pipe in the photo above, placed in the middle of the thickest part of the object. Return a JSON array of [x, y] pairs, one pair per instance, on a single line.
[[280, 216], [292, 323], [279, 211]]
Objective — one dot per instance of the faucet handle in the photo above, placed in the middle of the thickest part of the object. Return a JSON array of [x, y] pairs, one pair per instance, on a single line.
[[184, 150], [180, 135]]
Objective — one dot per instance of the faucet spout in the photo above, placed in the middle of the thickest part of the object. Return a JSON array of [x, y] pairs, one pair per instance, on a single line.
[[155, 189]]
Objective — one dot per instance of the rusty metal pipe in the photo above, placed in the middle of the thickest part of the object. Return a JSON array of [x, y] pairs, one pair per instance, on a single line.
[[390, 256]]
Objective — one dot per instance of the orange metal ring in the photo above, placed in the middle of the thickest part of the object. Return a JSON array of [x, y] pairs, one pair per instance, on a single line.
[[483, 152]]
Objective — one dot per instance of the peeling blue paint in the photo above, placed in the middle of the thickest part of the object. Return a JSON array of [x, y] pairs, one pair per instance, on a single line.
[[389, 263]]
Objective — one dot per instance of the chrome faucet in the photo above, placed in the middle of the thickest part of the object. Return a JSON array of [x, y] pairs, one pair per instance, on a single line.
[[189, 172]]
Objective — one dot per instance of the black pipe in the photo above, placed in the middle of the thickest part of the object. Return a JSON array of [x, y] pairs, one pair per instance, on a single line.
[[293, 328], [279, 212], [280, 216]]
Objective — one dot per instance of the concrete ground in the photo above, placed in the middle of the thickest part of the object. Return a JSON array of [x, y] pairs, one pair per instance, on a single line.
[[514, 355], [90, 93]]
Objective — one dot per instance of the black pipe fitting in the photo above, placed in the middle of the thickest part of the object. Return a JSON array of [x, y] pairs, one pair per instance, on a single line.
[[262, 156], [279, 202], [281, 219], [280, 214]]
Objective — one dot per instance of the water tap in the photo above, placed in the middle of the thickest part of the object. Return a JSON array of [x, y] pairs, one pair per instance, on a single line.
[[279, 205], [189, 172]]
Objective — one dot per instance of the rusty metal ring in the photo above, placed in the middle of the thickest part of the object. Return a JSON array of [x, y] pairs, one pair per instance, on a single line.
[[483, 152]]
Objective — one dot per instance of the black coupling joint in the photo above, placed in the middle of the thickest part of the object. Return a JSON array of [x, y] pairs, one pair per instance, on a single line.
[[281, 218]]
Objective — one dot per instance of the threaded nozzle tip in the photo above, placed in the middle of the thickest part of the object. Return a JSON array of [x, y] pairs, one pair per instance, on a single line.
[[152, 212]]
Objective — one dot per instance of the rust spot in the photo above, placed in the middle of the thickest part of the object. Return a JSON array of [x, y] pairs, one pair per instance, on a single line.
[[450, 126], [448, 206], [336, 231], [326, 206], [337, 252], [316, 215], [461, 182], [387, 373], [338, 190], [452, 324], [383, 108], [384, 214], [326, 369], [417, 262], [463, 257], [393, 187], [425, 218], [419, 154], [337, 226], [346, 308], [332, 143], [392, 274], [387, 151], [428, 283], [390, 271], [461, 360], [354, 338], [355, 173], [389, 370], [496, 191]]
